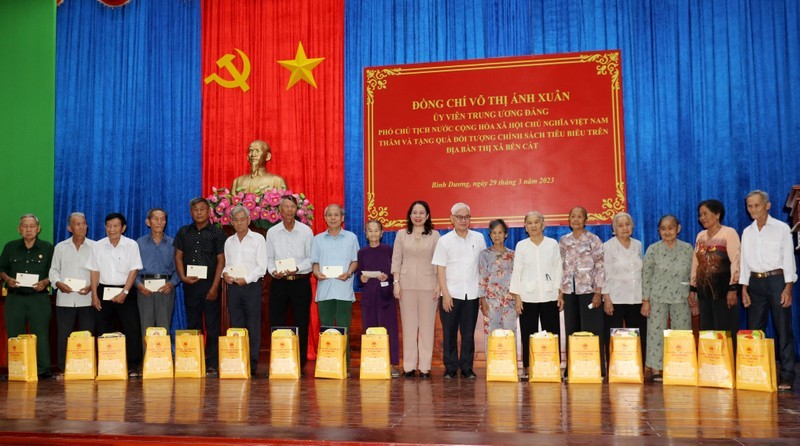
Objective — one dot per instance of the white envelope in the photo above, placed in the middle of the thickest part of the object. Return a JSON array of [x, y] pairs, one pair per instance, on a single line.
[[201, 272], [371, 274], [75, 284], [332, 271], [154, 284], [285, 265], [111, 292], [237, 271], [27, 279]]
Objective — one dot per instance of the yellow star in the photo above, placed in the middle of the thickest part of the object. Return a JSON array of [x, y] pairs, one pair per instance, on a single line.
[[301, 67]]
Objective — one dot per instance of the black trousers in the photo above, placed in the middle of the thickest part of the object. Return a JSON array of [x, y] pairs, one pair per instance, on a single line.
[[244, 306], [578, 317], [199, 308], [714, 312], [765, 299], [631, 316], [66, 317], [532, 313], [128, 315], [461, 319], [294, 294]]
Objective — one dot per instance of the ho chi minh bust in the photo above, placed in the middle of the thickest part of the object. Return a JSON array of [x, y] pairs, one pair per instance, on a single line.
[[258, 154]]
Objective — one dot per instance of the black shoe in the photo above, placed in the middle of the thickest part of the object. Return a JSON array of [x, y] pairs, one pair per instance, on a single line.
[[45, 375], [410, 374], [450, 375], [785, 386], [211, 371], [424, 375], [469, 374]]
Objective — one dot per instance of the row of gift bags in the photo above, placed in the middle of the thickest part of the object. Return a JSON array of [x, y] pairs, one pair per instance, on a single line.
[[332, 354], [708, 363]]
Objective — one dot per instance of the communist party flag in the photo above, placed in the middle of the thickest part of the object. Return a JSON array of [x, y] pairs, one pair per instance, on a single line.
[[274, 71]]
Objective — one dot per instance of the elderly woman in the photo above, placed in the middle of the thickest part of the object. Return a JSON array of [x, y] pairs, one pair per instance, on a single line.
[[665, 287], [622, 292], [494, 269], [534, 283], [715, 271], [415, 286], [582, 278]]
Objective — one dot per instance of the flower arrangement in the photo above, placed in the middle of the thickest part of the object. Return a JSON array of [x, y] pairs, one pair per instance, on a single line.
[[263, 206]]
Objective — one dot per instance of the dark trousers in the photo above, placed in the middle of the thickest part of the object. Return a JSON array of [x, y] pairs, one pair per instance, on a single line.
[[198, 308], [714, 313], [765, 299], [66, 317], [547, 312], [294, 294], [578, 317], [461, 319], [244, 306], [128, 315], [631, 315], [33, 309]]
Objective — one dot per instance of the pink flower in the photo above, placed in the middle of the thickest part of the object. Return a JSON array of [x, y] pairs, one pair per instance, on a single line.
[[273, 217], [213, 198], [250, 197], [225, 220], [221, 191], [255, 213], [264, 214], [249, 204], [301, 213]]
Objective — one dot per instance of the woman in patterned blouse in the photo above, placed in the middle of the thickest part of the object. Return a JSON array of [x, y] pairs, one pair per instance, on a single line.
[[665, 288], [494, 270]]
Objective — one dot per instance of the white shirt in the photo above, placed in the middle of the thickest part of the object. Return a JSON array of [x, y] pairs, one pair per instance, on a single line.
[[249, 252], [537, 271], [283, 244], [460, 258], [767, 250], [114, 263], [70, 263], [623, 271]]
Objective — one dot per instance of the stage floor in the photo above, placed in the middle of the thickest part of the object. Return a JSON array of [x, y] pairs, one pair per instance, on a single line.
[[400, 411]]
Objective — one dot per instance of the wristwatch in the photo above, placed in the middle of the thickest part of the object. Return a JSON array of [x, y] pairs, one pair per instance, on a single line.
[[125, 291]]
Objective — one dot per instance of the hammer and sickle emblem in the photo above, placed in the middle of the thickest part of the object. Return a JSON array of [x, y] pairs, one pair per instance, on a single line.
[[239, 78]]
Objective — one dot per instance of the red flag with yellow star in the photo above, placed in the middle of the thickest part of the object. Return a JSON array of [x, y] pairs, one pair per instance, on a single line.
[[274, 71]]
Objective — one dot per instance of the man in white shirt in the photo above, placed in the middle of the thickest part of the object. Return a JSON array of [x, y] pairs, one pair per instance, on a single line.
[[114, 263], [289, 242], [767, 274], [456, 260], [245, 266], [69, 268]]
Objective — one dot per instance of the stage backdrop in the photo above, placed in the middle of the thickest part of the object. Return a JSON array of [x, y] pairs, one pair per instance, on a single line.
[[499, 131]]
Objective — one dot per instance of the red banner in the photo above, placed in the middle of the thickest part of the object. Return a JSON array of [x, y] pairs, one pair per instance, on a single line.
[[506, 136]]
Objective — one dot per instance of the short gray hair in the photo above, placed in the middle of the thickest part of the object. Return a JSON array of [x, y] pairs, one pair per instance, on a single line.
[[75, 214], [764, 196], [458, 206], [24, 216], [535, 214], [239, 209], [341, 209], [618, 216]]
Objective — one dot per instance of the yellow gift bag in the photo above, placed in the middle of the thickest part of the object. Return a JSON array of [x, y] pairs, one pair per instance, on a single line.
[[234, 354], [331, 353], [190, 356], [680, 358], [544, 358], [583, 359], [625, 356], [375, 362], [501, 356], [22, 358], [157, 354], [715, 359], [112, 360], [755, 361], [284, 354], [80, 362]]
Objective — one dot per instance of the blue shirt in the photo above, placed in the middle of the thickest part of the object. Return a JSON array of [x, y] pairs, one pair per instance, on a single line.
[[341, 250], [157, 258]]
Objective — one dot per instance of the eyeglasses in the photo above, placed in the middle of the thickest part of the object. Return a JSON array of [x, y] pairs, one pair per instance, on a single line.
[[462, 217]]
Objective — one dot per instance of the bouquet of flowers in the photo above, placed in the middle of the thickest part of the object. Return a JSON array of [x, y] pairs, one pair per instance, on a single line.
[[263, 206]]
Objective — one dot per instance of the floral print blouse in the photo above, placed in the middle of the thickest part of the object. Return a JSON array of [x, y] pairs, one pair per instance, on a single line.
[[494, 269]]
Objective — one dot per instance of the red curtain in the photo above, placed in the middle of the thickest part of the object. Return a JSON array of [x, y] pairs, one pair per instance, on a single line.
[[303, 125]]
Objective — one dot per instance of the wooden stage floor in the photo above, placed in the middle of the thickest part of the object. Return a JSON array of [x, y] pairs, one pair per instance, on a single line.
[[400, 411]]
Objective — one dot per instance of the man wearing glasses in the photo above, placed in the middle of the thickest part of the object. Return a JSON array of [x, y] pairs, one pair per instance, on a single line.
[[456, 261]]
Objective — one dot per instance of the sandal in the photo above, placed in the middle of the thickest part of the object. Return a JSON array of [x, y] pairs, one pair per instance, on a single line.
[[785, 386], [658, 377], [133, 374]]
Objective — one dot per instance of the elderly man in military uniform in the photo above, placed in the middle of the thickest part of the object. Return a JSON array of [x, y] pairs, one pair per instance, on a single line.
[[24, 266]]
